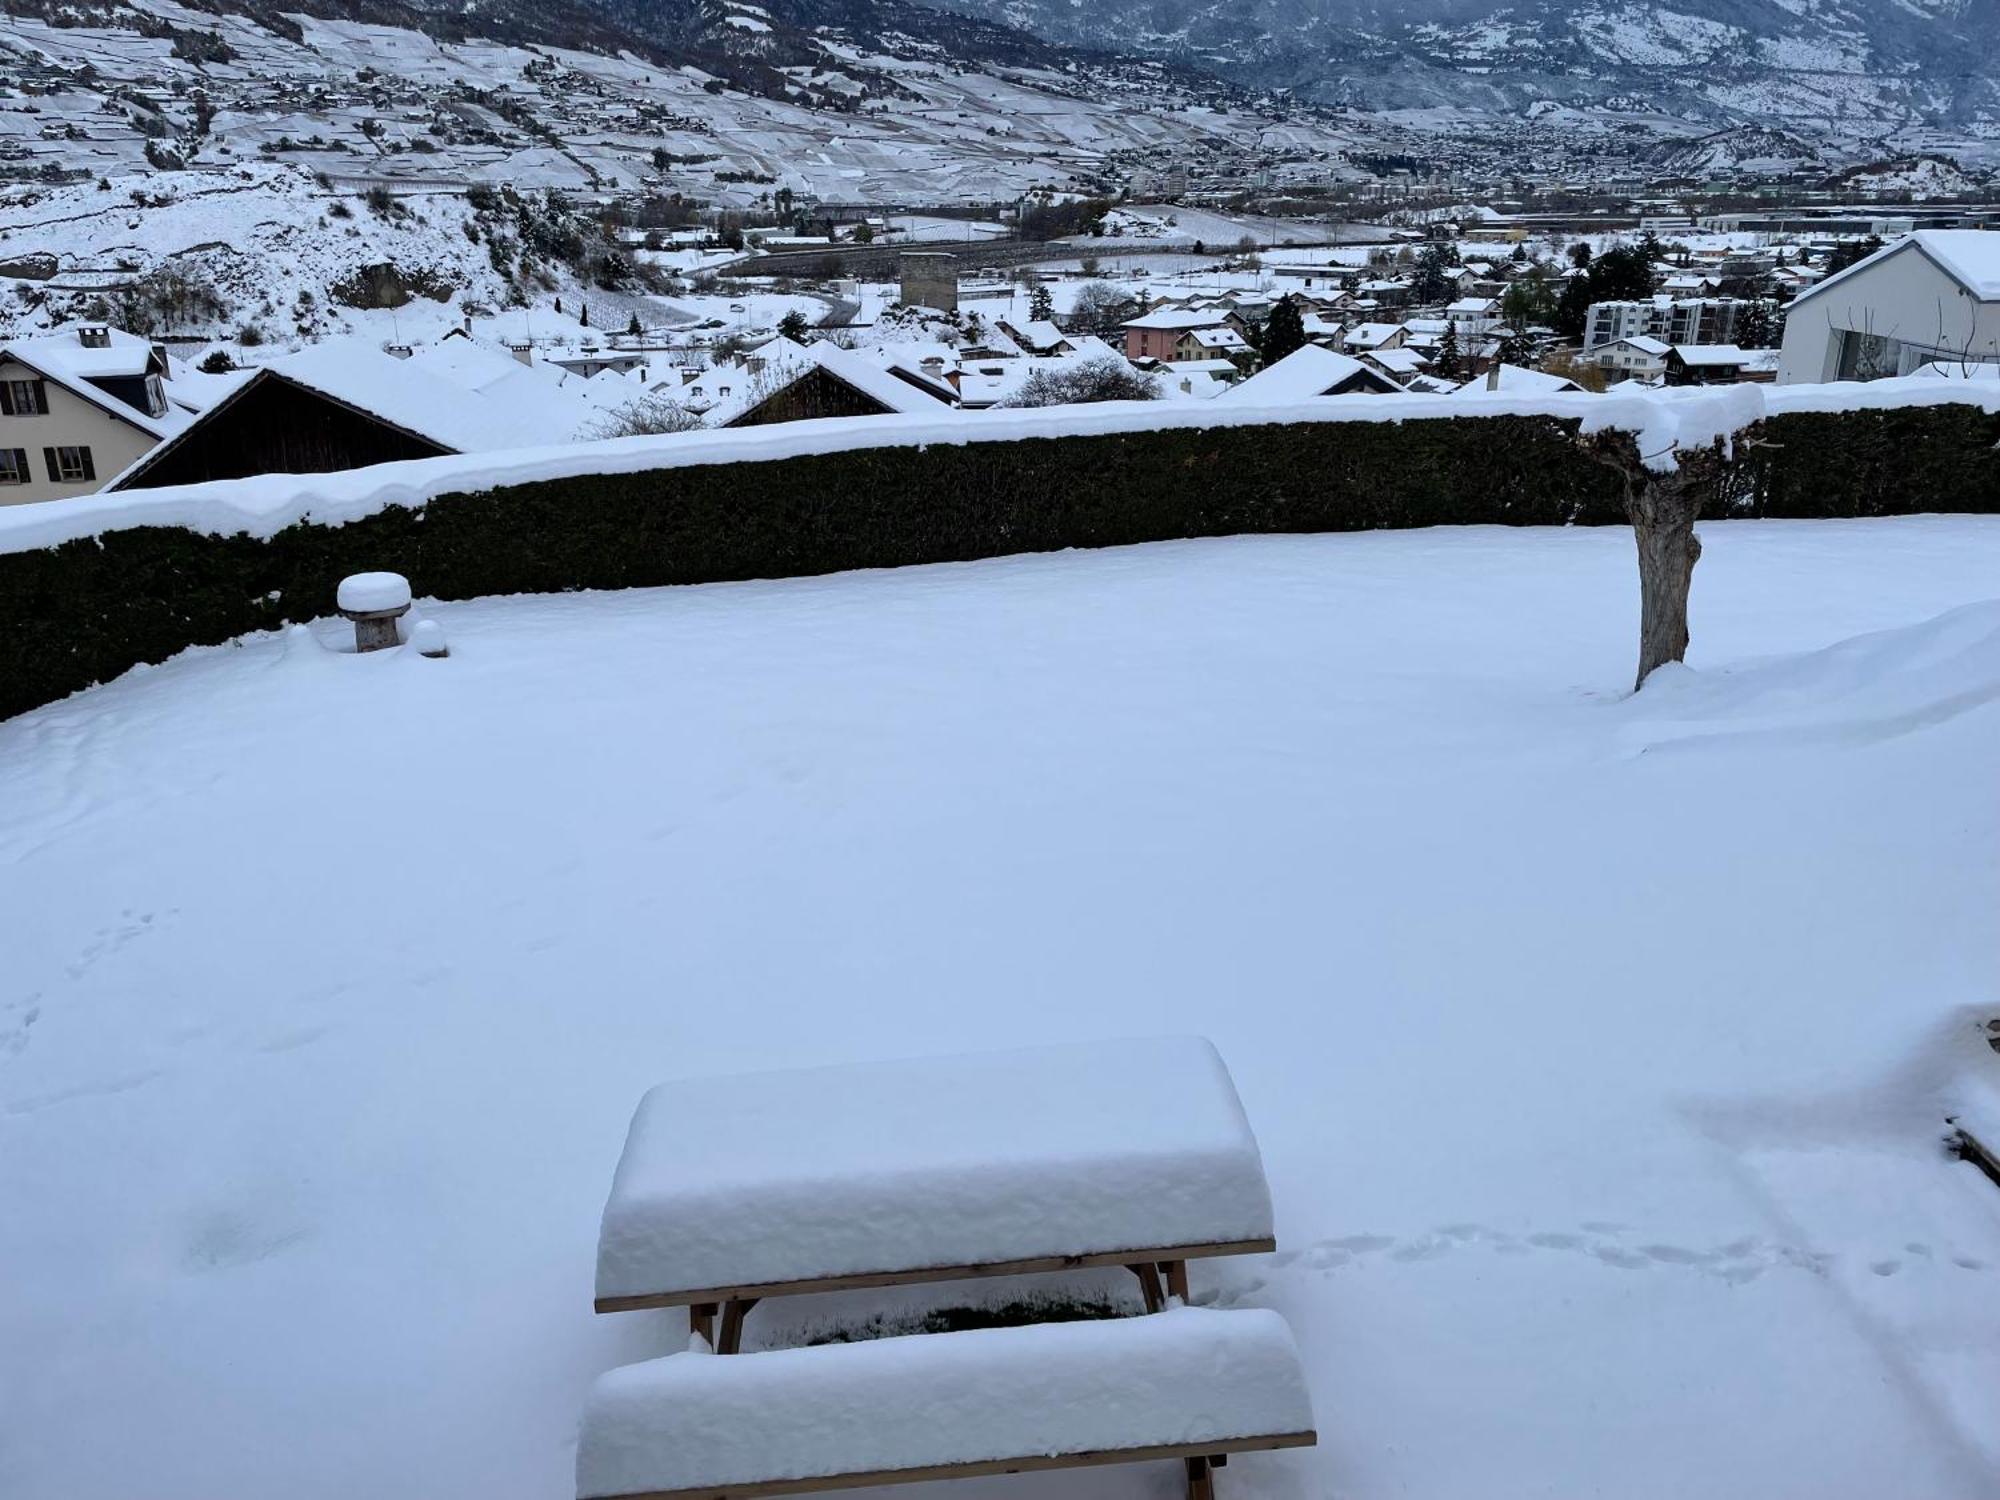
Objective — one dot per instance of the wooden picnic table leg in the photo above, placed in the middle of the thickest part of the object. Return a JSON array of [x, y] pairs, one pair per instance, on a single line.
[[1149, 1285], [701, 1320], [1177, 1280], [1200, 1482], [733, 1313]]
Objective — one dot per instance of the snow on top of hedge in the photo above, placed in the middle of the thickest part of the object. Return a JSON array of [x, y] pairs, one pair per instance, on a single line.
[[1667, 422]]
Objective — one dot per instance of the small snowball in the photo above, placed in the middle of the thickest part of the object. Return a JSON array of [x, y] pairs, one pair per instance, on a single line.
[[427, 639], [363, 591]]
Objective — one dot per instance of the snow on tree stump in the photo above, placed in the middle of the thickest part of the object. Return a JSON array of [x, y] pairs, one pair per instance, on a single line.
[[374, 602]]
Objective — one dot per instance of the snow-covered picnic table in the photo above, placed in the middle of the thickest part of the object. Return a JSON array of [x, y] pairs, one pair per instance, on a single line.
[[1133, 1153], [1107, 1153]]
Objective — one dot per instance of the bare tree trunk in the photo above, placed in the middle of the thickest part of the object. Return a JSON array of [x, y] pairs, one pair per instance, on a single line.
[[1663, 514], [1662, 508]]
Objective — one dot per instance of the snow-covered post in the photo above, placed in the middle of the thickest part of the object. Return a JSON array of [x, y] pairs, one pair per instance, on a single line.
[[1672, 455], [374, 602]]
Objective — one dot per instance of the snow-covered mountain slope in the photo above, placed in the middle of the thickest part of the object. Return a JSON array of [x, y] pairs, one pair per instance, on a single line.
[[833, 115], [1838, 67]]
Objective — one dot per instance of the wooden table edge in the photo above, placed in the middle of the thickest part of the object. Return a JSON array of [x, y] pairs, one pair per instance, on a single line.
[[921, 1274], [818, 1484]]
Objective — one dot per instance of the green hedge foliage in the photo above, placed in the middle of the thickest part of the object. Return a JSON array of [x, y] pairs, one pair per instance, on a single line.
[[86, 611]]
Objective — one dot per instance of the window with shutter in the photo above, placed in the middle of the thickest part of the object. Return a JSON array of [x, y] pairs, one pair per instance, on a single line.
[[23, 398], [14, 466], [69, 465]]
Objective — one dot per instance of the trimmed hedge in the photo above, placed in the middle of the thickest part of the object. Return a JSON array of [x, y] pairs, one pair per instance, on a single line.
[[85, 611]]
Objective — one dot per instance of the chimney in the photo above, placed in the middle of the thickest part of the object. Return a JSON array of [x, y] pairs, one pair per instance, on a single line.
[[525, 353], [1493, 376], [94, 336]]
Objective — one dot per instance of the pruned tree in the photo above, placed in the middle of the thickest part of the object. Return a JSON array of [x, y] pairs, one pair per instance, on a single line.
[[1663, 503]]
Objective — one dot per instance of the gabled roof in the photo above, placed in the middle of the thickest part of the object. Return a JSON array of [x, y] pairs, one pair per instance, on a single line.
[[1644, 343], [61, 357], [1367, 335], [1971, 257], [1306, 372], [1171, 319], [1518, 379]]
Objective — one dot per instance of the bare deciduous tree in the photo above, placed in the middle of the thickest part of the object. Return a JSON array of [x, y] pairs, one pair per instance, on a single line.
[[644, 417], [1102, 379]]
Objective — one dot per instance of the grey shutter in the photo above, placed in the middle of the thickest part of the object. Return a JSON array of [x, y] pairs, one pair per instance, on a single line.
[[89, 469], [55, 469], [6, 398], [41, 395]]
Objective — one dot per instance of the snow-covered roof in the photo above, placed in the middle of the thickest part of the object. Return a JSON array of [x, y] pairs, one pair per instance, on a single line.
[[1080, 1149], [1516, 378], [1726, 354], [1397, 361], [1172, 318], [1644, 343], [1306, 372], [1224, 337], [410, 395], [63, 357], [457, 395], [702, 1422], [1367, 335], [1039, 334], [1971, 257]]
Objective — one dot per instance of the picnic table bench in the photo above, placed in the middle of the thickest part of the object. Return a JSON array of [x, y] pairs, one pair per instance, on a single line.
[[734, 1190]]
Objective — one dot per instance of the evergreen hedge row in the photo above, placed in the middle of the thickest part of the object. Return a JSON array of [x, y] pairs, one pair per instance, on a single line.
[[85, 611]]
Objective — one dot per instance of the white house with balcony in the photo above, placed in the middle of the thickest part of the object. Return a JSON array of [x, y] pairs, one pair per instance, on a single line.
[[1931, 298]]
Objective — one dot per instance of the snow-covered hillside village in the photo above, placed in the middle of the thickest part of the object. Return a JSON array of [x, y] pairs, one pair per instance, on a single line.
[[999, 751]]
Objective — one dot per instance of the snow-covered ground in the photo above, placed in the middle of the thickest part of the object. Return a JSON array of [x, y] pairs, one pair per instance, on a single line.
[[1598, 1046]]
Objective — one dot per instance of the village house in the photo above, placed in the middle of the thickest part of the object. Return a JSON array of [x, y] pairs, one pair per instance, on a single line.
[[346, 404], [1719, 364], [1638, 358], [76, 407], [1309, 372], [1520, 381], [1367, 338], [823, 380], [1932, 297], [1167, 333]]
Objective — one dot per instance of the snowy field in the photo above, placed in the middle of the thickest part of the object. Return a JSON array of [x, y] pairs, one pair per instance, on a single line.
[[1598, 1046]]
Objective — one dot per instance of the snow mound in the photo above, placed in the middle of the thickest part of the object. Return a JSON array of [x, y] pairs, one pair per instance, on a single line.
[[1865, 689]]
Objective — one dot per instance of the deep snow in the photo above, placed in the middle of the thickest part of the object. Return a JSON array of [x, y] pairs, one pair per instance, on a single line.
[[1598, 1047]]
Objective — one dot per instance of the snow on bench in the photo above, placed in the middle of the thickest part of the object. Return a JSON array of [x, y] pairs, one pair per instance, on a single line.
[[1129, 1152], [1188, 1383]]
